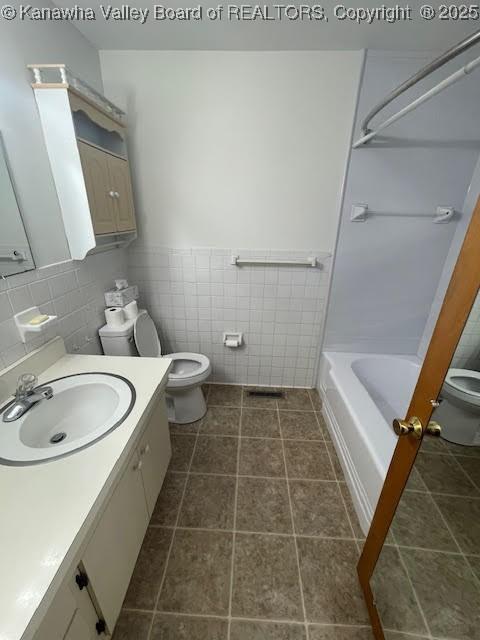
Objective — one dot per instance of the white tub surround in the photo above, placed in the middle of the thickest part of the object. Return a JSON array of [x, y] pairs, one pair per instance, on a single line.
[[362, 394], [49, 510]]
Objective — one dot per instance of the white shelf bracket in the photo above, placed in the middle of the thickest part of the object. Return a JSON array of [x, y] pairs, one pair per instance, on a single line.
[[359, 213], [443, 215]]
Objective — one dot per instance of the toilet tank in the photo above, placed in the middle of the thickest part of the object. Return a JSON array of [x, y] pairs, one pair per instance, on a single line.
[[118, 340]]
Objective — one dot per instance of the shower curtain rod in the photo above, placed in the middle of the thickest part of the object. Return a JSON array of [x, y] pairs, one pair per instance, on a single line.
[[454, 77], [425, 71]]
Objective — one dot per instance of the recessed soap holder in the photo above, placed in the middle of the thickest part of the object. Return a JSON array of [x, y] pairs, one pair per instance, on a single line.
[[23, 319]]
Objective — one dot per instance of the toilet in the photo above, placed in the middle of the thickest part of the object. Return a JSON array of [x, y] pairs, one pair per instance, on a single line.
[[139, 337], [459, 410]]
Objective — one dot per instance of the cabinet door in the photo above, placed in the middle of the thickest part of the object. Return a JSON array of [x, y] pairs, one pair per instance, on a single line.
[[79, 629], [71, 615], [155, 452], [58, 617], [86, 617], [120, 180], [112, 551], [97, 182]]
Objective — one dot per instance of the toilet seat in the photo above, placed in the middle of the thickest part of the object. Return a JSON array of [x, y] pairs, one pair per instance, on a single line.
[[188, 369], [462, 385]]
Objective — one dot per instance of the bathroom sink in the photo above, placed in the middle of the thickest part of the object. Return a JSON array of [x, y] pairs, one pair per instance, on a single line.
[[84, 408]]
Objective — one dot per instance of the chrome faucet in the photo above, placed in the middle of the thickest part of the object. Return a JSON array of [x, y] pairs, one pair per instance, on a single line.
[[26, 396]]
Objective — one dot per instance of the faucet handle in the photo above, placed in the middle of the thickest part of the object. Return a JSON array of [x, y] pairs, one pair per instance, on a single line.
[[25, 384]]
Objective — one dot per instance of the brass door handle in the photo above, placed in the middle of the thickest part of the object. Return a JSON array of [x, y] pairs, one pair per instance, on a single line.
[[433, 429], [405, 427]]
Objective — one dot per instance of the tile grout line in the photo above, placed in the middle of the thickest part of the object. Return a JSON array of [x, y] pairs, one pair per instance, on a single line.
[[297, 555], [227, 435], [235, 500], [245, 475], [476, 579], [283, 621], [446, 495], [262, 533], [457, 463], [410, 582], [432, 495], [167, 560]]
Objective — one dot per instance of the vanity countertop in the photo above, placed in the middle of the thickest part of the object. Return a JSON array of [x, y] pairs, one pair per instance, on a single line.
[[47, 508]]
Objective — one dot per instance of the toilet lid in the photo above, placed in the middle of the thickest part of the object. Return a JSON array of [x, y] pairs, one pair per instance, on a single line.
[[146, 336]]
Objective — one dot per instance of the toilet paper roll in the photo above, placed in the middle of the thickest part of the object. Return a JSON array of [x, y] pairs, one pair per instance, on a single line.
[[232, 343], [131, 310], [114, 316]]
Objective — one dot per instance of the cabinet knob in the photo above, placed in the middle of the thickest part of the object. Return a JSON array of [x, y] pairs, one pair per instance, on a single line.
[[82, 580], [101, 627], [112, 194], [145, 449], [138, 466]]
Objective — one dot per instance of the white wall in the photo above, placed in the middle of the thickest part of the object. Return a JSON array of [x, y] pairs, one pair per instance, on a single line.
[[387, 269], [242, 149], [22, 43], [469, 344], [467, 353], [236, 152]]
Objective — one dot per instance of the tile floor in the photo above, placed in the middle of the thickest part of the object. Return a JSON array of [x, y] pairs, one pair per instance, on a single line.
[[428, 582], [254, 536]]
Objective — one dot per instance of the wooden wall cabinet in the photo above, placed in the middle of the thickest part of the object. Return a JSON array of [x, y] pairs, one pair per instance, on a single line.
[[86, 145], [109, 190], [113, 546]]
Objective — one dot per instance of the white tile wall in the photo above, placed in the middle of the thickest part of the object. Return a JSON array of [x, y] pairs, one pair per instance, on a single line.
[[71, 290], [195, 295], [467, 354]]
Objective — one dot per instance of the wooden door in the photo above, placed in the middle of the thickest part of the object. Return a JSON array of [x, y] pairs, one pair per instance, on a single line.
[[120, 180], [112, 551], [95, 165], [459, 299], [155, 452]]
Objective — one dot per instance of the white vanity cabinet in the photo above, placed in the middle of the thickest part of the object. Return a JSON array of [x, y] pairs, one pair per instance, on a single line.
[[154, 451], [112, 547], [112, 551]]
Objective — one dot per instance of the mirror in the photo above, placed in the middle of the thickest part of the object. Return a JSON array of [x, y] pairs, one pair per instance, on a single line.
[[15, 254], [427, 579]]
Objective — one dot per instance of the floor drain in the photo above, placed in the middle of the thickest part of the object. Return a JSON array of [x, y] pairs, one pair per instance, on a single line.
[[58, 437], [266, 394]]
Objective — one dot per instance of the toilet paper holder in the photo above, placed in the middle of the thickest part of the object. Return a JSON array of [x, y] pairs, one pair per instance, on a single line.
[[233, 339]]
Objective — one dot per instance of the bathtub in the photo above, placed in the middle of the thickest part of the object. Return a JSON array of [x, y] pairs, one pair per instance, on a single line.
[[362, 394]]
